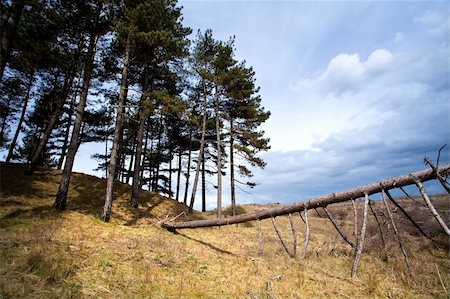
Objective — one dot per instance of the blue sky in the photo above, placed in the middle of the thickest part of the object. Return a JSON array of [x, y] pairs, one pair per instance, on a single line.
[[359, 91]]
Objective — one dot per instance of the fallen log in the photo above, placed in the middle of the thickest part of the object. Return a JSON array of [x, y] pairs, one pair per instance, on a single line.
[[316, 202]]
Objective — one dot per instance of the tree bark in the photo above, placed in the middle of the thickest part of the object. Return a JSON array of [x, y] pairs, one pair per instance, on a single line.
[[61, 196], [138, 155], [431, 207], [383, 240], [180, 155], [397, 234], [3, 127], [282, 241], [106, 215], [307, 232], [202, 144], [219, 156], [67, 132], [361, 237], [158, 156], [341, 233], [232, 182], [22, 117], [145, 156], [407, 216], [203, 184], [131, 166], [170, 171], [53, 119], [320, 201], [188, 170]]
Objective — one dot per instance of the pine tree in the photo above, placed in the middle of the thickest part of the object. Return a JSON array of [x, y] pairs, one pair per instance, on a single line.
[[98, 27], [154, 29], [245, 116]]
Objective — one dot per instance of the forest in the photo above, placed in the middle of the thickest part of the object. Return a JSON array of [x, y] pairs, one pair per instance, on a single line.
[[170, 109]]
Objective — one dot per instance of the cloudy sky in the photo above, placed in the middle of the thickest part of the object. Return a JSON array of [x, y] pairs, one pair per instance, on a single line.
[[358, 91]]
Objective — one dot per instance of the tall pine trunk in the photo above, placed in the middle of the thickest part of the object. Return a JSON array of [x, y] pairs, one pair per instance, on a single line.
[[233, 189], [37, 153], [131, 165], [138, 154], [203, 184], [219, 156], [158, 155], [170, 172], [180, 155], [3, 127], [115, 152], [22, 117], [61, 196], [202, 144], [188, 170], [67, 132], [145, 157]]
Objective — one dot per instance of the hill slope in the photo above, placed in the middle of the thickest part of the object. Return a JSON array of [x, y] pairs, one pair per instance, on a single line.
[[44, 253]]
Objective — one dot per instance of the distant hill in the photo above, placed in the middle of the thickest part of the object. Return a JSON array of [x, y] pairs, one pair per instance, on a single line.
[[72, 254]]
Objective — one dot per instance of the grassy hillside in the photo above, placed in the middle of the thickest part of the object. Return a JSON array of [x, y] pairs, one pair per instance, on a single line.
[[49, 254]]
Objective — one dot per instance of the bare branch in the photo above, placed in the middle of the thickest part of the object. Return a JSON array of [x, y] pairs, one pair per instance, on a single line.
[[431, 207], [407, 216], [275, 226], [399, 238], [294, 234], [330, 217], [305, 245], [361, 238], [383, 240]]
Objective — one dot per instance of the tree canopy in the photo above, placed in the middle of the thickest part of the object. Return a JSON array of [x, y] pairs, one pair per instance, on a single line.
[[168, 109]]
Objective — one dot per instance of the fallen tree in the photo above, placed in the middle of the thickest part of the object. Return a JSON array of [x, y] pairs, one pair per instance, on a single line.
[[321, 201]]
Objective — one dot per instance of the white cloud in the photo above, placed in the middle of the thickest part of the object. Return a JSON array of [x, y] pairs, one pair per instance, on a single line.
[[379, 60], [438, 23], [346, 71]]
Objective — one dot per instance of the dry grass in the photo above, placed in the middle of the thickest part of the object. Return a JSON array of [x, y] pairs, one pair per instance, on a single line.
[[49, 254]]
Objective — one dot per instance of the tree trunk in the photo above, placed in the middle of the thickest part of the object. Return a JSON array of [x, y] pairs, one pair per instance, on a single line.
[[219, 156], [145, 151], [138, 155], [3, 127], [61, 197], [22, 116], [121, 154], [170, 172], [131, 166], [321, 201], [151, 167], [158, 155], [232, 182], [180, 155], [188, 170], [203, 184], [106, 215], [53, 119], [202, 144], [67, 132], [8, 33]]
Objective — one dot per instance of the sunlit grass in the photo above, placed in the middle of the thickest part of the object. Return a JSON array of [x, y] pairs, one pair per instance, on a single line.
[[49, 254]]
